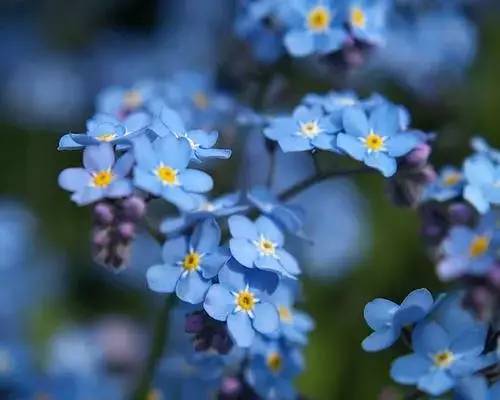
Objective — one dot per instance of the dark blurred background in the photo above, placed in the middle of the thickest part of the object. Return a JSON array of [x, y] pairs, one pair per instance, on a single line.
[[56, 55]]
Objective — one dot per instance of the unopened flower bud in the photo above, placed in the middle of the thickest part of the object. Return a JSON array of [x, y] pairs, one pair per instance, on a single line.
[[126, 230], [419, 156], [104, 213], [460, 213], [134, 208]]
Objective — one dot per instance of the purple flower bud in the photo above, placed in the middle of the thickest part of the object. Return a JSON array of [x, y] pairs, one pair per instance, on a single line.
[[221, 342], [460, 213], [104, 213], [101, 237], [195, 322], [419, 156], [126, 230], [230, 386], [494, 275], [134, 207]]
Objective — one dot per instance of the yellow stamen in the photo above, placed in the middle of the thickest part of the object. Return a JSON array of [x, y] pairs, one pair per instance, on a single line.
[[358, 17], [154, 394], [479, 245], [374, 142], [200, 99], [319, 19], [191, 261], [452, 179], [106, 137], [102, 179], [132, 99], [274, 362], [285, 314], [266, 247], [310, 129], [167, 175], [444, 359], [245, 300]]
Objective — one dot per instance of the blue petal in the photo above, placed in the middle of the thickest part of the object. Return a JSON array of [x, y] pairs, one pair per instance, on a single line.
[[213, 262], [429, 338], [401, 144], [67, 143], [218, 302], [206, 236], [145, 180], [88, 195], [378, 313], [98, 158], [436, 382], [268, 263], [380, 340], [203, 139], [324, 141], [233, 276], [173, 121], [294, 143], [266, 318], [163, 278], [409, 369], [174, 250], [221, 154], [242, 227], [269, 230], [196, 181], [351, 145], [192, 288], [355, 121], [240, 328], [119, 188], [475, 196], [299, 43], [384, 120], [288, 262], [173, 152], [331, 41], [144, 153], [470, 343], [179, 197], [243, 251], [381, 161], [74, 179], [124, 164], [479, 171]]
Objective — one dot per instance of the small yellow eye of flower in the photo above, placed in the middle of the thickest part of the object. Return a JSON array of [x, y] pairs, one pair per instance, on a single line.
[[167, 175], [452, 179], [106, 137], [285, 314], [191, 261], [319, 19], [102, 178], [266, 247], [245, 300], [154, 395], [132, 99], [274, 362], [374, 142], [444, 359], [358, 18], [309, 129], [200, 100], [479, 245]]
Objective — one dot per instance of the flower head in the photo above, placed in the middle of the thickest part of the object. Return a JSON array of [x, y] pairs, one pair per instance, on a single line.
[[482, 187]]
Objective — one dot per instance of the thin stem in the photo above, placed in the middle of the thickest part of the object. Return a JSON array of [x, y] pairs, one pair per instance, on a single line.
[[320, 177], [156, 351]]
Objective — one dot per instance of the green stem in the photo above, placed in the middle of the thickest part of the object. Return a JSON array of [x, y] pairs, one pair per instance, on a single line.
[[158, 345]]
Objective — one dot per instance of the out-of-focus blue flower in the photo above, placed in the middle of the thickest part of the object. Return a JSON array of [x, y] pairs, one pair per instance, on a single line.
[[440, 361], [469, 251], [367, 20], [272, 369], [288, 217], [375, 139], [447, 186], [260, 244], [101, 177], [482, 188], [106, 128], [480, 146], [295, 325], [201, 142], [162, 171], [476, 388], [333, 101], [222, 206], [387, 319], [308, 128], [318, 28], [240, 299], [189, 264]]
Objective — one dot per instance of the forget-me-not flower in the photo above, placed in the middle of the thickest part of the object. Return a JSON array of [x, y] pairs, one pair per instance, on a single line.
[[100, 178], [189, 264], [367, 20], [240, 298], [387, 319], [162, 171], [448, 185], [375, 139], [482, 188], [259, 244]]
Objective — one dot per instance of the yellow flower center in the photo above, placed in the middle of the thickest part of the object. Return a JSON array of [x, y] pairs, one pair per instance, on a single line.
[[452, 179], [285, 314], [444, 359], [132, 99], [106, 137], [167, 175], [200, 99], [191, 261], [154, 394], [274, 362], [102, 178], [245, 300], [358, 17], [374, 142], [319, 19], [479, 245], [266, 247], [309, 129]]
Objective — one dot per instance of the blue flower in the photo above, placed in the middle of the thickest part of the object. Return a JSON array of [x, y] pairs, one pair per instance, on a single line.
[[201, 142], [332, 101], [273, 368], [105, 128], [387, 319], [447, 186], [307, 129], [482, 147], [290, 218], [295, 325], [222, 206], [482, 187], [476, 388], [260, 244], [319, 29], [376, 140], [439, 360], [367, 20], [470, 251], [240, 299], [101, 177], [189, 264], [162, 171]]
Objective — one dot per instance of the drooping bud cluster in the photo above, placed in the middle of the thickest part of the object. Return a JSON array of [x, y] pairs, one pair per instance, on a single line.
[[208, 333], [114, 229]]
